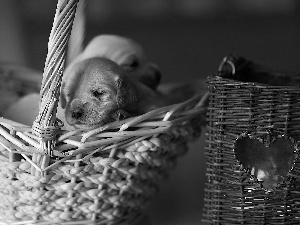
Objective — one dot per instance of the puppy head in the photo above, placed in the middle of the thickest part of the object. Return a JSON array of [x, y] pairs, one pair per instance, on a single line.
[[127, 54], [96, 91]]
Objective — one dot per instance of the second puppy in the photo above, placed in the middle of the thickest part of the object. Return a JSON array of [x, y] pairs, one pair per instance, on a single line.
[[126, 53], [96, 91]]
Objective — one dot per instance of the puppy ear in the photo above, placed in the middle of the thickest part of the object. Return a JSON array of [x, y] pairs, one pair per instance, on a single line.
[[126, 93]]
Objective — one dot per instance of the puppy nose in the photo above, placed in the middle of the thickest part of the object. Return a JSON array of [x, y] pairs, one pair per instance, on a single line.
[[76, 114]]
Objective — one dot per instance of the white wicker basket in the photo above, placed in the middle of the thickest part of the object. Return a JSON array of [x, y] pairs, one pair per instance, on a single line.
[[103, 175]]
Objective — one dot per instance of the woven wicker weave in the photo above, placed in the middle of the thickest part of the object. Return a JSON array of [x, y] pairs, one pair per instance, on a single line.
[[103, 175], [259, 112]]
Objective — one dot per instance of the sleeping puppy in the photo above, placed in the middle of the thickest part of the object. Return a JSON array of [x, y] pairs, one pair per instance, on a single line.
[[96, 91], [127, 54]]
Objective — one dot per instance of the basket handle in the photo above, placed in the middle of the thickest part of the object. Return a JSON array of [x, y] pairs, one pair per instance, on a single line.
[[227, 60], [46, 126]]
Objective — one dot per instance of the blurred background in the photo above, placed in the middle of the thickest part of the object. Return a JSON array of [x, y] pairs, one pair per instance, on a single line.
[[187, 39]]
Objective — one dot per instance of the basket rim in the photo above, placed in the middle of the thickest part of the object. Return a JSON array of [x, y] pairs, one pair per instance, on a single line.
[[153, 123], [258, 85]]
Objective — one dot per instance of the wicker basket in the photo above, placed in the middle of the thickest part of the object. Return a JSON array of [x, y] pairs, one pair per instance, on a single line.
[[252, 146], [103, 175]]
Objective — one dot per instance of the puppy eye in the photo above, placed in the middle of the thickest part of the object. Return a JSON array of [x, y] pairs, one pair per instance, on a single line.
[[131, 65], [97, 94], [134, 64]]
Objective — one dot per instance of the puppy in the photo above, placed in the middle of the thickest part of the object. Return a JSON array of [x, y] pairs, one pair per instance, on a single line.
[[127, 54], [26, 109], [16, 81], [97, 90]]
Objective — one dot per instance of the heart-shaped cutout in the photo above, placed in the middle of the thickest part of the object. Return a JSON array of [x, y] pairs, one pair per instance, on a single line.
[[268, 158]]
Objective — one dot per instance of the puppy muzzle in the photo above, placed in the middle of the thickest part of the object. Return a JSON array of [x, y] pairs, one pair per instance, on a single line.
[[87, 114], [75, 112]]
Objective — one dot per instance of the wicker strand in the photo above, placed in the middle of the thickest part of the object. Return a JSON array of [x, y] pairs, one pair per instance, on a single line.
[[46, 125], [11, 154]]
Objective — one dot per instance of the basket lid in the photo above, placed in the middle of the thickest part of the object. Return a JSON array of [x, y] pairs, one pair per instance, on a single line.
[[244, 70]]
